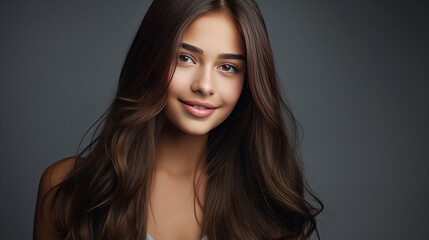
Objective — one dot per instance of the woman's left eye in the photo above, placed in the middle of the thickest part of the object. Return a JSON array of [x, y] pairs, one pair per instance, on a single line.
[[228, 68]]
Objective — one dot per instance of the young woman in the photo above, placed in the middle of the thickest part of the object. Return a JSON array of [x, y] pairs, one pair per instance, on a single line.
[[198, 142]]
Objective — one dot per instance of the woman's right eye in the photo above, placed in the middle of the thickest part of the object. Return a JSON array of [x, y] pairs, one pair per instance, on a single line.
[[185, 58]]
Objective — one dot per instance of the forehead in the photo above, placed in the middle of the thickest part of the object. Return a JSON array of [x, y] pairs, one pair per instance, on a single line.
[[214, 33]]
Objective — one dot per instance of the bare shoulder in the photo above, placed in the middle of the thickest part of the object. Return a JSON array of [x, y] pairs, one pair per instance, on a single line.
[[53, 175], [56, 173]]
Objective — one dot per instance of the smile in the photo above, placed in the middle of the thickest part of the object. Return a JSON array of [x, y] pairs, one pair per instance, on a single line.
[[197, 110]]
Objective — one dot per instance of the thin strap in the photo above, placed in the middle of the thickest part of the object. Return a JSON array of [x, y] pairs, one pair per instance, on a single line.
[[149, 237]]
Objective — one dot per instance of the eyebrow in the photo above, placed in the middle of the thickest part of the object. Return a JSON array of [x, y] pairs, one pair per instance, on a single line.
[[222, 56]]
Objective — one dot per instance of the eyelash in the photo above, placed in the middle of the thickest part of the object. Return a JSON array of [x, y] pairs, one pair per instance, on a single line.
[[192, 59]]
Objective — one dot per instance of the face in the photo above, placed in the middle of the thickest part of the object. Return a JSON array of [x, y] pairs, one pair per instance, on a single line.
[[209, 76]]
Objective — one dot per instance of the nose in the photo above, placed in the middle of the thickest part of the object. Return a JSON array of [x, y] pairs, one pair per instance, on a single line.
[[203, 83]]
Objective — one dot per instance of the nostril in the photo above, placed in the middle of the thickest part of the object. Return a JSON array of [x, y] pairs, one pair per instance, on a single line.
[[203, 92]]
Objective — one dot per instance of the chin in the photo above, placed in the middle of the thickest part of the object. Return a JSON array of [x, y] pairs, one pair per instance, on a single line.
[[195, 131], [190, 128]]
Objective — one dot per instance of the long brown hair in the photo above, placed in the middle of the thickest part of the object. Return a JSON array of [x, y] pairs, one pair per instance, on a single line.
[[255, 184]]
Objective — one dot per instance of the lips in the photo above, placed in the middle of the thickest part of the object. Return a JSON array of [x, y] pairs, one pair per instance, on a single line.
[[199, 103], [198, 109]]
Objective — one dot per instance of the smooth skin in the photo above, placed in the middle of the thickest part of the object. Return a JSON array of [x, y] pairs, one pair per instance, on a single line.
[[54, 174], [210, 68]]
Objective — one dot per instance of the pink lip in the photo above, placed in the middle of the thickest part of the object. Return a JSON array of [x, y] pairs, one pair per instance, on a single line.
[[199, 103], [196, 111]]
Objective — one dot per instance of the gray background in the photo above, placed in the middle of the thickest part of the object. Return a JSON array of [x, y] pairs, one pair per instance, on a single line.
[[355, 73]]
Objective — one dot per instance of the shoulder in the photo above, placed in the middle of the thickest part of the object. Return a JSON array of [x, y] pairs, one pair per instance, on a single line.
[[53, 175], [56, 172]]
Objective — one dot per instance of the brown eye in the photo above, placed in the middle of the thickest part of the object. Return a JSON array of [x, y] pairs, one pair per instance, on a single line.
[[185, 58], [228, 68]]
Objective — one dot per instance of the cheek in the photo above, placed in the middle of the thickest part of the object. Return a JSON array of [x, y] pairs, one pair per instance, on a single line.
[[231, 91], [178, 83]]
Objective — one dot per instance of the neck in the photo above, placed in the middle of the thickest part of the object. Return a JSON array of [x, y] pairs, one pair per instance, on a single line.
[[177, 153]]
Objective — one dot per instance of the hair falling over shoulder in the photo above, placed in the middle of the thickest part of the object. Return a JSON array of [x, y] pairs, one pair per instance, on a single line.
[[255, 184]]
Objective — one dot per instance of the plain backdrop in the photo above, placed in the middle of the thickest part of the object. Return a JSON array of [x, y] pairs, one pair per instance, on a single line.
[[355, 73]]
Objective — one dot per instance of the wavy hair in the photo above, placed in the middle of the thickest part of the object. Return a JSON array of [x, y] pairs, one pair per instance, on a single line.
[[255, 185]]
